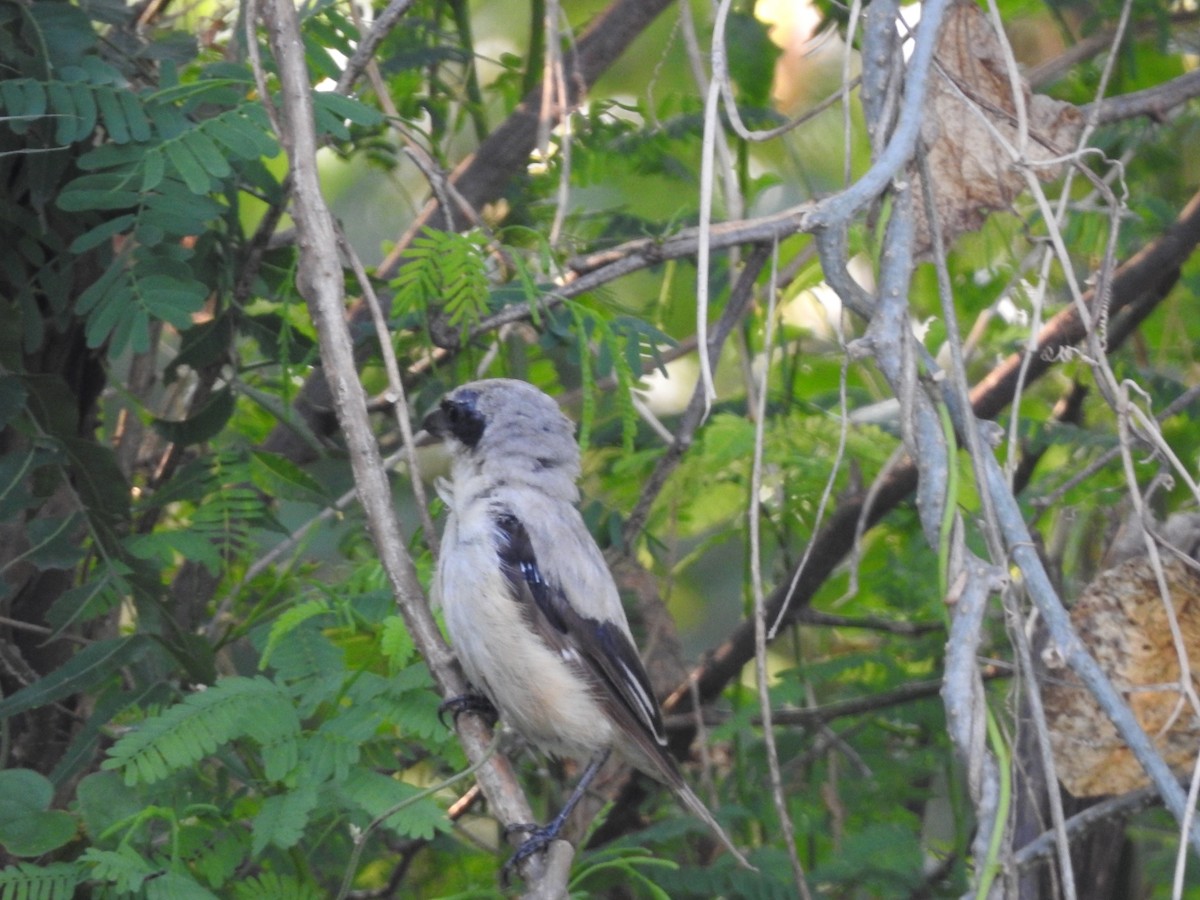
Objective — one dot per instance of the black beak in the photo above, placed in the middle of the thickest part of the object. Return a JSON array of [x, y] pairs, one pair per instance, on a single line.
[[433, 430]]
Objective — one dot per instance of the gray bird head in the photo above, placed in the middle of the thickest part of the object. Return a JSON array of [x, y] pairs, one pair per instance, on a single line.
[[508, 430]]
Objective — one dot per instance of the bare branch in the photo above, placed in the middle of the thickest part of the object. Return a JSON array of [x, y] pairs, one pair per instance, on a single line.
[[1042, 847], [836, 211], [1137, 287], [1154, 102], [762, 678], [364, 53]]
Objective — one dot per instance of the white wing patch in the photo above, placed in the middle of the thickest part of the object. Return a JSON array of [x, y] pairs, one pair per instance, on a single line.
[[649, 708]]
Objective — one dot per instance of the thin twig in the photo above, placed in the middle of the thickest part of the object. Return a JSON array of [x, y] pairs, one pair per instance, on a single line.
[[762, 677], [1115, 808], [735, 308], [364, 52], [397, 398]]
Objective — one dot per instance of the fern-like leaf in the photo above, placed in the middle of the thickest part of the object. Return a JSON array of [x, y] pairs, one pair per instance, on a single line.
[[282, 818], [446, 270], [409, 811], [56, 881], [177, 886], [124, 869], [289, 621], [187, 732], [272, 886]]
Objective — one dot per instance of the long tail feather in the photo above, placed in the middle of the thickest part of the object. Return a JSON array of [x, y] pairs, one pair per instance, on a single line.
[[696, 806]]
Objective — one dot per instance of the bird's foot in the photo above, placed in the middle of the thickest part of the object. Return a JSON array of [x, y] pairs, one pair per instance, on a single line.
[[473, 703], [540, 837]]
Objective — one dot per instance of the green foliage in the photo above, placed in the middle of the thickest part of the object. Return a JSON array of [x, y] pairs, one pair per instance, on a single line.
[[445, 273], [231, 709], [272, 886], [27, 826], [300, 773], [207, 690], [56, 881], [86, 669]]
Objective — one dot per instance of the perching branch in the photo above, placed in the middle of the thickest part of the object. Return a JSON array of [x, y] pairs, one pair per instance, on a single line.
[[320, 282]]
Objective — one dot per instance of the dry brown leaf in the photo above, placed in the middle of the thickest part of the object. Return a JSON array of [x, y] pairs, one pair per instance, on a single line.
[[1122, 619], [971, 171]]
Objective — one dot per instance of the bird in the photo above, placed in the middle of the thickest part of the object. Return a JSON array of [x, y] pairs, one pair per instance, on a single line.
[[530, 605]]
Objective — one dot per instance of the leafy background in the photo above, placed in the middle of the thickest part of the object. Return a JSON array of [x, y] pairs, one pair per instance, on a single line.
[[208, 690]]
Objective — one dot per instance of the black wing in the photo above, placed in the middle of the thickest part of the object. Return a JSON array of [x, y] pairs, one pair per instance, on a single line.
[[600, 650]]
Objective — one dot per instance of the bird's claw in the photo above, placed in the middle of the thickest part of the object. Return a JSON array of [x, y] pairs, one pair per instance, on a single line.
[[540, 837], [472, 703]]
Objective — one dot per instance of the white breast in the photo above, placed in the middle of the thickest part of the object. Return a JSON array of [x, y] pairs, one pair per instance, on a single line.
[[538, 694]]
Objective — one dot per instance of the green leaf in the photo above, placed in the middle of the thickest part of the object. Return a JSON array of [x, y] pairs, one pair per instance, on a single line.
[[28, 827], [282, 819], [62, 108], [104, 800], [112, 114], [241, 135], [174, 885], [121, 303], [101, 191], [172, 298], [165, 548], [273, 886], [187, 732], [84, 671], [102, 233], [178, 211], [288, 621], [307, 654], [99, 72], [36, 102], [81, 756], [278, 476], [217, 855], [396, 642], [12, 402], [90, 599], [12, 96], [108, 155], [189, 168], [204, 425], [49, 404], [752, 57], [102, 487], [347, 108], [277, 340], [319, 58], [410, 815], [135, 116], [168, 118], [54, 543], [66, 30], [154, 166], [207, 154], [124, 868], [85, 109], [55, 881]]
